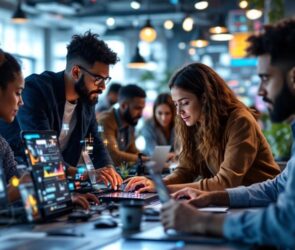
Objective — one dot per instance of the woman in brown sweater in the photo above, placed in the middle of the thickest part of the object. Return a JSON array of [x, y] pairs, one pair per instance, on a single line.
[[221, 144]]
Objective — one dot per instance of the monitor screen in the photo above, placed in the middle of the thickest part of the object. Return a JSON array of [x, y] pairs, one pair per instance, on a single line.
[[48, 172], [29, 199]]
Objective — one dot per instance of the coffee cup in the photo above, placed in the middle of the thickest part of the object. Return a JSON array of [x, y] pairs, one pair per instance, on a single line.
[[131, 214]]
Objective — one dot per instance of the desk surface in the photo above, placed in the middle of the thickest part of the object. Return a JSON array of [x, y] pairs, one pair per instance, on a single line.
[[33, 237]]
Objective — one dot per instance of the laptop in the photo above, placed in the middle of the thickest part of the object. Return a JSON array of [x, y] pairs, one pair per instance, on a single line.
[[158, 160], [48, 174], [158, 233], [164, 195]]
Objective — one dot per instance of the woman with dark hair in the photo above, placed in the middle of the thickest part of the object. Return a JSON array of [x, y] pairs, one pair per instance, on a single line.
[[159, 130], [220, 141], [11, 86]]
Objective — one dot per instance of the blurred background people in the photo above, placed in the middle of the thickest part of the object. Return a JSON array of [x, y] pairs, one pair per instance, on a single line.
[[159, 130], [109, 99], [119, 124]]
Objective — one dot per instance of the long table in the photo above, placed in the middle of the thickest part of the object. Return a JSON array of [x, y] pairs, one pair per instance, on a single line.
[[86, 237]]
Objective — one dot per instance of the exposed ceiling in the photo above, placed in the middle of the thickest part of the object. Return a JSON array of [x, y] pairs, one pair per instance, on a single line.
[[61, 13]]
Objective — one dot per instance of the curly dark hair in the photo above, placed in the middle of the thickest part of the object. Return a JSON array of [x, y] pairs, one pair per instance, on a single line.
[[90, 49], [217, 102], [277, 40], [9, 69]]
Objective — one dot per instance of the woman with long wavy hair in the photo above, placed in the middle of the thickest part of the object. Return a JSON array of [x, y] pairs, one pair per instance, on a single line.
[[221, 144]]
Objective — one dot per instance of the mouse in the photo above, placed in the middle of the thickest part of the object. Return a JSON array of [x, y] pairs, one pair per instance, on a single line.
[[105, 223]]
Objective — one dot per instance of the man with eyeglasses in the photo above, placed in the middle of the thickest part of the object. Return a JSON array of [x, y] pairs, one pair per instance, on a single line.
[[65, 102]]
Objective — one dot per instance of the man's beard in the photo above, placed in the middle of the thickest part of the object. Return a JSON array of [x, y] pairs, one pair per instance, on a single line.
[[83, 92], [129, 119], [283, 105]]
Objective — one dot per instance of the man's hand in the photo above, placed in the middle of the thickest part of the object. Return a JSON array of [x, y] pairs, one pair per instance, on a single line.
[[83, 199], [109, 175], [184, 217], [196, 197], [145, 184]]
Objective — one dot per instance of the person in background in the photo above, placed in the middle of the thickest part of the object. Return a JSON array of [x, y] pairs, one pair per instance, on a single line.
[[159, 130], [65, 102], [11, 88], [110, 99], [273, 224], [219, 139], [119, 124]]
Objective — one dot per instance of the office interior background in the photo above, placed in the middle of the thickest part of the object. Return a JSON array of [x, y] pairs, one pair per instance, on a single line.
[[176, 32]]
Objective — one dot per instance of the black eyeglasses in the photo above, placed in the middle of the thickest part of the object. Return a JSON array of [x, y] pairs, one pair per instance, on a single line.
[[98, 79]]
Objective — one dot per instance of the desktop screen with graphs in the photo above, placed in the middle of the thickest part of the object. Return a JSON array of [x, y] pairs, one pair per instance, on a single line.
[[48, 172]]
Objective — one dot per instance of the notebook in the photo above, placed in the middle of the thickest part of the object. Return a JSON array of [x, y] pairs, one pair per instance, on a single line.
[[158, 160], [159, 157], [48, 173]]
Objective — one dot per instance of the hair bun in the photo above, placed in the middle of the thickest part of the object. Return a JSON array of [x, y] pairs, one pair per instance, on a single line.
[[2, 57]]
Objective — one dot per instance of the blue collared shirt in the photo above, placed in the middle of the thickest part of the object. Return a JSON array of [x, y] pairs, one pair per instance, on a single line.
[[273, 225]]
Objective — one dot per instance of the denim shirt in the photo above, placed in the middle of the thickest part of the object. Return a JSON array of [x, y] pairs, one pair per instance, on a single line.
[[273, 225]]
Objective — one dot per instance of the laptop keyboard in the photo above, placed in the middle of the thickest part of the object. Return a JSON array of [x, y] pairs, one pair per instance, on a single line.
[[129, 195]]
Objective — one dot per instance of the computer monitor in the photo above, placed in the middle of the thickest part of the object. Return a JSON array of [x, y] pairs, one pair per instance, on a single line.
[[48, 173]]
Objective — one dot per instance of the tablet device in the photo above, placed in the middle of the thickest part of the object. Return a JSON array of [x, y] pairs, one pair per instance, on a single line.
[[48, 173]]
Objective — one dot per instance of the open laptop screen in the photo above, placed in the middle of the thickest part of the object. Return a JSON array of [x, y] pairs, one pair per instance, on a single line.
[[48, 172], [160, 186]]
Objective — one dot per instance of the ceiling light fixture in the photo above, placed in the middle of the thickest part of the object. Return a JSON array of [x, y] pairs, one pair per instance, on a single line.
[[188, 24], [200, 41], [110, 21], [19, 16], [168, 25], [201, 5], [221, 37], [148, 32], [243, 4], [253, 14], [220, 26], [135, 5], [137, 61]]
